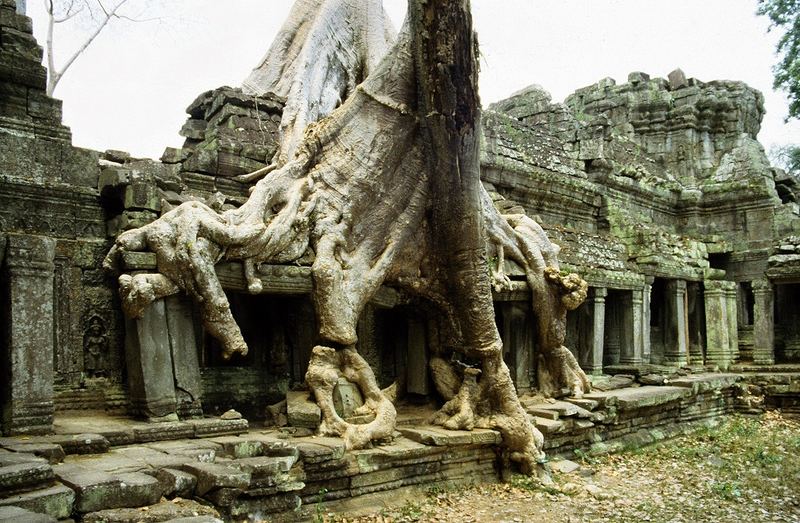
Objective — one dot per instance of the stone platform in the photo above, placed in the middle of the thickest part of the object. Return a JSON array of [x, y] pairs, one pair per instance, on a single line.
[[122, 465]]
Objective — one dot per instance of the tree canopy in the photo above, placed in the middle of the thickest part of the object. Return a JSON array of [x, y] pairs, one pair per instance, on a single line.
[[785, 15]]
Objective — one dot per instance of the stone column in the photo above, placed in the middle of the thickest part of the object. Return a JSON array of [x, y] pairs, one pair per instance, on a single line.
[[27, 356], [646, 295], [763, 323], [718, 348], [597, 302], [733, 320], [150, 369], [631, 350], [185, 361], [613, 341], [675, 333]]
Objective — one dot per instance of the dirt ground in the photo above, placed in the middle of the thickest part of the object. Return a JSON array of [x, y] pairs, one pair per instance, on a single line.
[[746, 470]]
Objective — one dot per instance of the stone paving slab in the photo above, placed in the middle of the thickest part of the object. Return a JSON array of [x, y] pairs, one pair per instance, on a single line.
[[699, 383], [97, 490], [437, 436], [638, 397], [57, 501], [52, 452], [20, 515]]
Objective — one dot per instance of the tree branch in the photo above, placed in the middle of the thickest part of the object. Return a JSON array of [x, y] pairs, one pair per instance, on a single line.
[[55, 76]]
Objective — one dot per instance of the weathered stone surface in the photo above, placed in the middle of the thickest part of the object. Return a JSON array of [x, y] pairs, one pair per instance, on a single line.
[[176, 482], [20, 515], [24, 475], [97, 490], [57, 501], [52, 452], [211, 476], [301, 410], [175, 510]]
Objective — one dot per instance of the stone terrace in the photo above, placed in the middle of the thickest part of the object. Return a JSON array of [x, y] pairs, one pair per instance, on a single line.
[[122, 465]]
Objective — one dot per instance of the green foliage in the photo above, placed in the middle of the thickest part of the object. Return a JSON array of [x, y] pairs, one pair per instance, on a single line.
[[728, 490], [784, 15]]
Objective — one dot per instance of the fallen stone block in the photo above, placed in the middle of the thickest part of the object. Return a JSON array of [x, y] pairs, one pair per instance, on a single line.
[[211, 476], [264, 465], [268, 505], [564, 466], [237, 447], [223, 497], [57, 501], [176, 482], [301, 410]]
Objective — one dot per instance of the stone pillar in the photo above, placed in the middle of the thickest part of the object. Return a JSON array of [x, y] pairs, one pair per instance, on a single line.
[[718, 335], [417, 366], [631, 350], [597, 302], [150, 369], [763, 323], [27, 355], [185, 361], [613, 335], [733, 320], [646, 292], [676, 334]]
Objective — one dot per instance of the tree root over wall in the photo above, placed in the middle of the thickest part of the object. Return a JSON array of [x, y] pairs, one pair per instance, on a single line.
[[377, 178]]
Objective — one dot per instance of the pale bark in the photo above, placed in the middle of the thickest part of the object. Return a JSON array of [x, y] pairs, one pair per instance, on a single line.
[[383, 189]]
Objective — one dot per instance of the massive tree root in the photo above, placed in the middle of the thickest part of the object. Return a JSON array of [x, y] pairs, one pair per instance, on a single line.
[[381, 187]]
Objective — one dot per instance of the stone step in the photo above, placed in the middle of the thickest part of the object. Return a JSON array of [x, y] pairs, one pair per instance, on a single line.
[[264, 466], [97, 490], [211, 476], [57, 501], [19, 477], [438, 436], [584, 403], [52, 452], [548, 426], [20, 515]]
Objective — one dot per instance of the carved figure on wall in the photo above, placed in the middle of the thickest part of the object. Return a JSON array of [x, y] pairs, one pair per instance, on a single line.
[[377, 175], [95, 347]]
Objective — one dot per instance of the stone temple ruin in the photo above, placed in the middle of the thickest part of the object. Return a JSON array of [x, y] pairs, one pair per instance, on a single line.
[[655, 192]]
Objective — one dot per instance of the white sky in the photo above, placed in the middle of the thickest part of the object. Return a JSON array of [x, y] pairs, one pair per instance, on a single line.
[[131, 87]]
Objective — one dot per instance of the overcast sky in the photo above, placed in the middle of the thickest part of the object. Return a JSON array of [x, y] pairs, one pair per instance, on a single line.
[[130, 89]]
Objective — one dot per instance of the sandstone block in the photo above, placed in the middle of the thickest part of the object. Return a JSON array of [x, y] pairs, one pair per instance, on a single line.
[[211, 476], [20, 515], [24, 475], [176, 482], [57, 501], [301, 410]]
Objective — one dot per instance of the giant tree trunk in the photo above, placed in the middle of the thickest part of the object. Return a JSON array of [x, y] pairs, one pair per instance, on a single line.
[[383, 189]]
